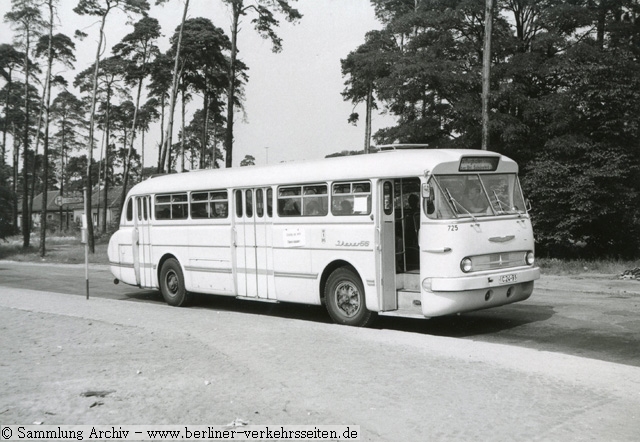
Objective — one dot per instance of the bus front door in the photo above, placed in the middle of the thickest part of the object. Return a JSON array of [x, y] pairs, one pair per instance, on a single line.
[[253, 235], [386, 247]]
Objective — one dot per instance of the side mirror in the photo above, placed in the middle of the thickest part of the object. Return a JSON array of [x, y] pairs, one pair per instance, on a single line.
[[527, 204], [428, 195]]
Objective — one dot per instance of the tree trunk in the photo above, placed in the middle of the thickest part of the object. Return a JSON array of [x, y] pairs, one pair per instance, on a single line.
[[127, 165], [182, 112], [160, 167], [45, 153], [367, 129], [26, 215], [203, 148], [486, 73], [167, 139], [228, 140], [106, 160], [87, 203], [16, 160]]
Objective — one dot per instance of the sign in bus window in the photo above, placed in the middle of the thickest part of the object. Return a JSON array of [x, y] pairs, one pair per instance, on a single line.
[[351, 198]]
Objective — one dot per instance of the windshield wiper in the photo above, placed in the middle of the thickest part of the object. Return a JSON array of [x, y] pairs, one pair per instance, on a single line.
[[501, 203], [455, 204]]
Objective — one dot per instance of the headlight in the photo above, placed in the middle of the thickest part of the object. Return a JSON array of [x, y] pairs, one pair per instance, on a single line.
[[529, 258], [466, 265]]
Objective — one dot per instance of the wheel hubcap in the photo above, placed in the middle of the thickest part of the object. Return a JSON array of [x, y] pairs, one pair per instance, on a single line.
[[172, 283], [347, 299]]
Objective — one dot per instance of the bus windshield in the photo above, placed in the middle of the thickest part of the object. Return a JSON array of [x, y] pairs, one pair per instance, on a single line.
[[459, 196]]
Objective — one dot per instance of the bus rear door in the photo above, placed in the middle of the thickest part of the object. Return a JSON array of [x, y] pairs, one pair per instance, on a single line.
[[142, 242], [253, 248]]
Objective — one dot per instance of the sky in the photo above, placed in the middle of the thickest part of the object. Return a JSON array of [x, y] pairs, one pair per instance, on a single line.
[[294, 108]]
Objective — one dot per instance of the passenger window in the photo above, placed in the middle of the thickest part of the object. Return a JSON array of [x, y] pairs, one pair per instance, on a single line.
[[289, 201], [172, 206], [315, 200], [249, 203], [260, 203], [130, 210], [213, 204], [270, 203], [218, 204], [308, 200], [239, 203]]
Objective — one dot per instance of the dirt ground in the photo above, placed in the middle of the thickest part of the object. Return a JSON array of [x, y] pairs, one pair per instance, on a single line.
[[66, 360]]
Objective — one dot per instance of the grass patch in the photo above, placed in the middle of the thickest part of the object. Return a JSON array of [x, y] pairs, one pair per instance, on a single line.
[[554, 266], [58, 249]]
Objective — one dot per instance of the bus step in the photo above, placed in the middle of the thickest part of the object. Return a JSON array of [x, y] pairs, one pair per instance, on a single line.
[[402, 313], [408, 281], [409, 300]]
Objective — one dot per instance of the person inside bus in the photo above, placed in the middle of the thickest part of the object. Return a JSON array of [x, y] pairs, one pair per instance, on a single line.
[[312, 208], [220, 210], [474, 199], [291, 207], [412, 227], [346, 208]]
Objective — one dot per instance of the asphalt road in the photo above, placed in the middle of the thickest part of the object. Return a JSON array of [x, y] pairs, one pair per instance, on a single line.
[[594, 316]]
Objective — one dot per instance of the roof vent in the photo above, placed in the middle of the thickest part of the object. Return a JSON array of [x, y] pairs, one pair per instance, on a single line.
[[392, 147]]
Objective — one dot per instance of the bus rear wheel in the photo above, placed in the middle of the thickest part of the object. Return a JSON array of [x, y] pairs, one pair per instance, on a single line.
[[344, 297], [172, 284]]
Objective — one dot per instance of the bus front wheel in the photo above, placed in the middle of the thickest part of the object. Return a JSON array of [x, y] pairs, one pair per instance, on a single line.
[[344, 297], [172, 284]]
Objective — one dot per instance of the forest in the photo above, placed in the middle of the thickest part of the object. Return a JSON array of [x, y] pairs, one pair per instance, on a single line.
[[564, 101]]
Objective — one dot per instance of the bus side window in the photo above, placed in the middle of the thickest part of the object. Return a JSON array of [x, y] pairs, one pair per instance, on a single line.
[[130, 210], [289, 199], [199, 205], [315, 200], [139, 201], [239, 203], [219, 204], [163, 207], [172, 206], [179, 206], [351, 198], [260, 203], [269, 202], [249, 203]]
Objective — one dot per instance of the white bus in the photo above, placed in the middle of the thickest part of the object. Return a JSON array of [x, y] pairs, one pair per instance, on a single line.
[[411, 232]]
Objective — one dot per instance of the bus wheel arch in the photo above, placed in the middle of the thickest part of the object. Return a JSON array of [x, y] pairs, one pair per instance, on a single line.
[[171, 281], [342, 292]]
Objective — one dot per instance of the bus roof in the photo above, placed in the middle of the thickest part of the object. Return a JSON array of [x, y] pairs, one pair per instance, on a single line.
[[400, 163]]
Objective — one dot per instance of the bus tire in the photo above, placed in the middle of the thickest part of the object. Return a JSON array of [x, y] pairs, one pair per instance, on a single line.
[[344, 298], [172, 284]]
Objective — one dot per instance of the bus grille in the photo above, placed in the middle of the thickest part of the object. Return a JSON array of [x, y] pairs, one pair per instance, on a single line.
[[496, 261]]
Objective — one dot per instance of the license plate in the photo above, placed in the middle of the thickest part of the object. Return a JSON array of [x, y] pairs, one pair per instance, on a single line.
[[505, 279]]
